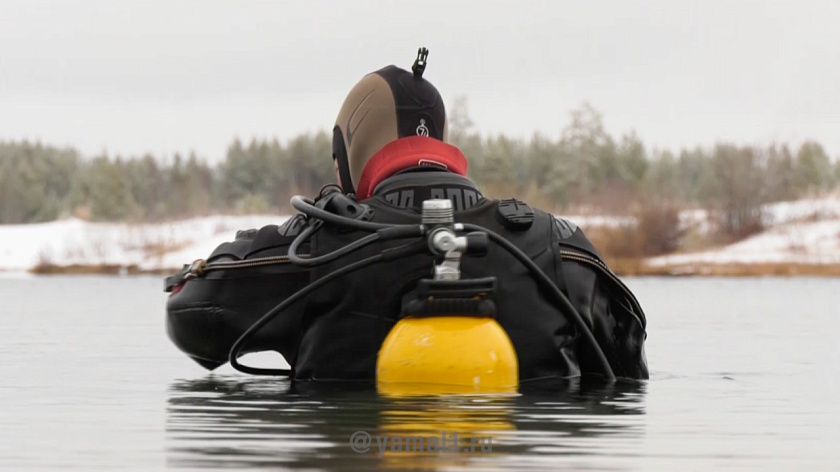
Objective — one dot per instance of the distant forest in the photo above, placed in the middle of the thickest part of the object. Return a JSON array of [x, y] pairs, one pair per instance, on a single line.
[[585, 170]]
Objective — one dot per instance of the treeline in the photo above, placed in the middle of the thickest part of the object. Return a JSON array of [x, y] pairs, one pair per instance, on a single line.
[[41, 183], [587, 169], [584, 169]]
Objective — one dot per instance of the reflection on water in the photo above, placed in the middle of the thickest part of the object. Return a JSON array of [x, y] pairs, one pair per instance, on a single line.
[[744, 376], [230, 422]]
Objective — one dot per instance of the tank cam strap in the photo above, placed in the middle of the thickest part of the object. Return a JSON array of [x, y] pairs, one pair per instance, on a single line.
[[464, 297]]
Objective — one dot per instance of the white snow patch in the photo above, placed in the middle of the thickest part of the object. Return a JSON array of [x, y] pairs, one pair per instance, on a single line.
[[814, 209], [598, 221], [811, 243], [804, 231], [149, 246]]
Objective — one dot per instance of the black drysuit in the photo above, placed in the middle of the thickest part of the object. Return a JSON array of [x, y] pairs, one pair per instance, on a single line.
[[336, 333]]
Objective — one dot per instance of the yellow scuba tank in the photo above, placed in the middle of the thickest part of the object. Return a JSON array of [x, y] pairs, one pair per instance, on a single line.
[[448, 340], [447, 354]]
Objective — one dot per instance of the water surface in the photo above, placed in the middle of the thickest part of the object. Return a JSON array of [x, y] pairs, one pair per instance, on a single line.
[[744, 377]]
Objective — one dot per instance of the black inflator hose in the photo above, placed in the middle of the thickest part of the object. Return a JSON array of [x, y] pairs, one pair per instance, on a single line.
[[385, 256], [385, 234], [295, 259], [549, 285]]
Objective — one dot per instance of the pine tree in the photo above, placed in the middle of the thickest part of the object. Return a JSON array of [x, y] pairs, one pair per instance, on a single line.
[[813, 168]]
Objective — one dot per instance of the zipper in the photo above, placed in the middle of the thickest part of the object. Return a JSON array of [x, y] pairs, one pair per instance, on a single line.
[[201, 267], [604, 269]]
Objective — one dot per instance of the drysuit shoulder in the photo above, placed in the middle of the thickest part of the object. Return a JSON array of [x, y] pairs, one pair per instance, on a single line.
[[517, 216], [570, 235], [252, 243]]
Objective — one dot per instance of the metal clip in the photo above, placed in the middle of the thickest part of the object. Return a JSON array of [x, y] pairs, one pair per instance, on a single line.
[[420, 63], [196, 269]]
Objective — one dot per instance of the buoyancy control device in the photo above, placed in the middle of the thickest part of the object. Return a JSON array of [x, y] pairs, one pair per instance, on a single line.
[[447, 340]]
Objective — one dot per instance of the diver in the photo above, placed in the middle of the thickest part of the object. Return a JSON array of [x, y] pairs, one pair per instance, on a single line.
[[391, 154]]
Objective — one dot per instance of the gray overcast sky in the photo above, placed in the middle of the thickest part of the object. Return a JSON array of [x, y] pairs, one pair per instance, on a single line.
[[157, 76]]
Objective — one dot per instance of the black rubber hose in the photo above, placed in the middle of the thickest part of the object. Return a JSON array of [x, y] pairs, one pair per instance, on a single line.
[[385, 256], [548, 284], [338, 253], [387, 234], [305, 205]]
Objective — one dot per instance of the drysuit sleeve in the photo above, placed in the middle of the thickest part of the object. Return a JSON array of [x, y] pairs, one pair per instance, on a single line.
[[243, 279], [606, 305]]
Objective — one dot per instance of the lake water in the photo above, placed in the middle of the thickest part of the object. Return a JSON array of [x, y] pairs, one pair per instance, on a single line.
[[744, 375]]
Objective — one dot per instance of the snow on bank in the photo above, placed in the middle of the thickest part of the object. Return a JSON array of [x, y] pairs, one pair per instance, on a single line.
[[149, 246], [599, 221], [814, 209], [805, 243], [804, 231]]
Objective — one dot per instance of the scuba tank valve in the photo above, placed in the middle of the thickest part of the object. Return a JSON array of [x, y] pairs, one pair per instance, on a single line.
[[448, 340]]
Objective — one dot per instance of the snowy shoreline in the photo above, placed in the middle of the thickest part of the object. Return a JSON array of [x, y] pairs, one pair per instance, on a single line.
[[148, 246], [803, 232]]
